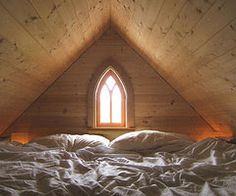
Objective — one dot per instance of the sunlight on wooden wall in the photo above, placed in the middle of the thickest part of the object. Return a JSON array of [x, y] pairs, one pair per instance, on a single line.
[[225, 134], [21, 137]]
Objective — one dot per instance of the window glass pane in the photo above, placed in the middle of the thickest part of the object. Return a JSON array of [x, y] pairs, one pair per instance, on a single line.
[[104, 105], [116, 105], [110, 82]]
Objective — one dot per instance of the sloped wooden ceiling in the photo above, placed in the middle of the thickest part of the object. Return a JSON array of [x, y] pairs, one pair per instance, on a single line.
[[64, 106], [38, 41], [191, 43]]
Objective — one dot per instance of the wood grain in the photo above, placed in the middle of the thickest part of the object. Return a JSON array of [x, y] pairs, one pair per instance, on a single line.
[[64, 106], [191, 44], [38, 41]]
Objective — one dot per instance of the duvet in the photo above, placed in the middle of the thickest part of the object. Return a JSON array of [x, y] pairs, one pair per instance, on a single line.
[[203, 168]]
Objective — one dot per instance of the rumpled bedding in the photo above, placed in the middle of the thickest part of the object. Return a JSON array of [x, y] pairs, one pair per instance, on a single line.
[[203, 168]]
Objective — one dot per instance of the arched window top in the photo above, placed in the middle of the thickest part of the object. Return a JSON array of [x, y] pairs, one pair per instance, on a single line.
[[110, 100]]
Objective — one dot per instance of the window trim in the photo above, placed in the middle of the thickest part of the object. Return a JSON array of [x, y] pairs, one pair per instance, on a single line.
[[111, 72], [94, 79]]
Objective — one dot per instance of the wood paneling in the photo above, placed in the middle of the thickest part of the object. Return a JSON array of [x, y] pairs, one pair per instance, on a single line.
[[192, 45], [64, 106], [38, 41]]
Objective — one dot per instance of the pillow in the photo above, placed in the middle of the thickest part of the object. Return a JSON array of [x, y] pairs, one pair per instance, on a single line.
[[81, 141], [149, 139], [54, 141], [71, 142]]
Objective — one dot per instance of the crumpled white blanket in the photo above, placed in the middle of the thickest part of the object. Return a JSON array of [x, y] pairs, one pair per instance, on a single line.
[[204, 168]]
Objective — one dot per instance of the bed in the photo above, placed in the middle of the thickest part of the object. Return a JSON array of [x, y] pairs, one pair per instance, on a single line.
[[138, 163]]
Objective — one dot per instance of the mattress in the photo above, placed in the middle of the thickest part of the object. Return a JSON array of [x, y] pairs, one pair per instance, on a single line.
[[207, 167]]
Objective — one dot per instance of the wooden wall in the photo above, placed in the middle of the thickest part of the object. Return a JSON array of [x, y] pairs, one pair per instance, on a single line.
[[192, 44], [63, 107], [38, 41]]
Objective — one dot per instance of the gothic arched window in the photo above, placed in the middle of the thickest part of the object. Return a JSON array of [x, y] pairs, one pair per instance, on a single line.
[[110, 101]]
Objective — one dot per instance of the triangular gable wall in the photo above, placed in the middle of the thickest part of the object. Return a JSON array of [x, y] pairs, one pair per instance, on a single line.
[[63, 107]]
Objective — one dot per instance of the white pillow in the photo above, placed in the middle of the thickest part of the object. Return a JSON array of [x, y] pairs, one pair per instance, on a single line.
[[71, 142], [53, 141], [149, 139], [81, 141]]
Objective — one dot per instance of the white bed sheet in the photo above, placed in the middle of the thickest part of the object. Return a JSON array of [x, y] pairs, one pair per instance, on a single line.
[[204, 168]]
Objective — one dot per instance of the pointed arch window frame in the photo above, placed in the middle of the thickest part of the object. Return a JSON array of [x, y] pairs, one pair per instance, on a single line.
[[101, 83], [95, 78]]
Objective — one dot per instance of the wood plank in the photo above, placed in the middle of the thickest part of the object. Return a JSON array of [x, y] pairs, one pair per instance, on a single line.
[[38, 41], [186, 40], [223, 12], [205, 30], [65, 10], [163, 23], [124, 8], [14, 33], [65, 104], [50, 16], [189, 16], [220, 44], [32, 22]]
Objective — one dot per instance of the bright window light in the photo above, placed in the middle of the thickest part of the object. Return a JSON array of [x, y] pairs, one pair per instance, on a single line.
[[105, 105], [110, 101], [110, 82], [116, 105]]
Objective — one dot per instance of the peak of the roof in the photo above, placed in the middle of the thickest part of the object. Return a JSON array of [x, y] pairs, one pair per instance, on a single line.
[[182, 40]]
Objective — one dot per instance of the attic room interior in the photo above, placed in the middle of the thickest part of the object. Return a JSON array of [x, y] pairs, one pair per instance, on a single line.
[[118, 97]]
